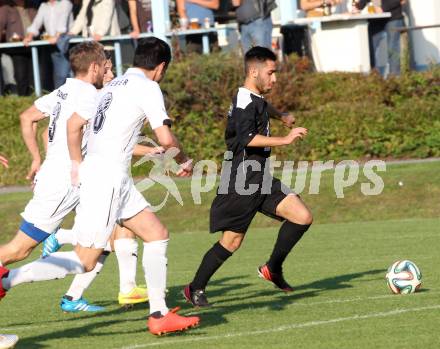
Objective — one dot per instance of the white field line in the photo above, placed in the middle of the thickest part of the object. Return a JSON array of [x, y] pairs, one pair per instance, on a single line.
[[306, 304], [338, 301], [285, 328]]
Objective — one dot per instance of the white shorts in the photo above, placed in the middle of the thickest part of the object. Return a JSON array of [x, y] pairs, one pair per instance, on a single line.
[[106, 196], [54, 198]]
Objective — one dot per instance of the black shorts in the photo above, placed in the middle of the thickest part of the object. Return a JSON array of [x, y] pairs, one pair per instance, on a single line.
[[235, 212]]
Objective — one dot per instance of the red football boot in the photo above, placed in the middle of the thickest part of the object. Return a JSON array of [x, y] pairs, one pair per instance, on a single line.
[[171, 322], [276, 278], [3, 273]]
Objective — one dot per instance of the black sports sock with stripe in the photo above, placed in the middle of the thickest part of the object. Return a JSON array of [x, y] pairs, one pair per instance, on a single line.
[[212, 260], [289, 234]]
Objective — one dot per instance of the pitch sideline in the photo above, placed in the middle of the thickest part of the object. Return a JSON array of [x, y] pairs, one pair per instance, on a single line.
[[287, 328]]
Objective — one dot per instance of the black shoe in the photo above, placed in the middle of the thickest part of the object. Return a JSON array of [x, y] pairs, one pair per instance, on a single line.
[[197, 297], [277, 279]]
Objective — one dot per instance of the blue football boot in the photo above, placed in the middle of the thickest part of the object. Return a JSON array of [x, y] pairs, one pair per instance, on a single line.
[[81, 304], [50, 245]]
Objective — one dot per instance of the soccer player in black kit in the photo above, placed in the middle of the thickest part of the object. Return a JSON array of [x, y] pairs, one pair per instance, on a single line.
[[247, 187]]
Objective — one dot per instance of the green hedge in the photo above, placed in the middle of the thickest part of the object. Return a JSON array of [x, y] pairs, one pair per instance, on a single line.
[[349, 116]]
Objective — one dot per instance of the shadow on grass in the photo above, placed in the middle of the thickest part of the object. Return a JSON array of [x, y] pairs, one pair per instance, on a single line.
[[273, 300], [278, 300], [77, 332]]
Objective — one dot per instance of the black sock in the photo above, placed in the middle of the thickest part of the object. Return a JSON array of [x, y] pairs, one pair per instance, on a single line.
[[212, 260], [290, 233]]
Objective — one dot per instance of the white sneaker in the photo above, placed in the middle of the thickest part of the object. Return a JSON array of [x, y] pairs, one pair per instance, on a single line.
[[8, 341]]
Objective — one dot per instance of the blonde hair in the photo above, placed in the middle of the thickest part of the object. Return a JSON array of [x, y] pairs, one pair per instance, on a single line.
[[85, 54]]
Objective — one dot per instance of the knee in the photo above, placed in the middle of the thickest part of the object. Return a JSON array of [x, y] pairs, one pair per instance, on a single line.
[[124, 233], [88, 265], [231, 245], [304, 217], [163, 233]]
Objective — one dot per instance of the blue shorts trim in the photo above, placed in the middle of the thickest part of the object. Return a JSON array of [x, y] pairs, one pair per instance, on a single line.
[[33, 232]]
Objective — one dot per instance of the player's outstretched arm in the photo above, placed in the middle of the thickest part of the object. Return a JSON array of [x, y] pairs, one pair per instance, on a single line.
[[168, 140], [28, 120], [264, 141], [141, 150], [287, 118]]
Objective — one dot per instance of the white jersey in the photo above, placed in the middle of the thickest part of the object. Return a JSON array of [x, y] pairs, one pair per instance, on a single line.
[[125, 104], [54, 197], [75, 96]]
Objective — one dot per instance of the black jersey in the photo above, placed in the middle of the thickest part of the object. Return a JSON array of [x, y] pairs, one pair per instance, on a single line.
[[248, 187], [247, 118]]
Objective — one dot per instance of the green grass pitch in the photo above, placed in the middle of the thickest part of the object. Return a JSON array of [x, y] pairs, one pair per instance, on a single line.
[[341, 298]]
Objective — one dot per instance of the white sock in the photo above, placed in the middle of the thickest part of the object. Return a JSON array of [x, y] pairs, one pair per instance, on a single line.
[[55, 266], [66, 236], [154, 261], [81, 282], [126, 253]]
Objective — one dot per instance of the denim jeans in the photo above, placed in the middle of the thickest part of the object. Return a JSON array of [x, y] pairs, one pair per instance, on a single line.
[[256, 33], [61, 67], [393, 43], [386, 47], [380, 48]]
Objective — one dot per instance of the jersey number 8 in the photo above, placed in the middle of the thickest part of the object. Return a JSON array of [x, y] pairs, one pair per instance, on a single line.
[[99, 119]]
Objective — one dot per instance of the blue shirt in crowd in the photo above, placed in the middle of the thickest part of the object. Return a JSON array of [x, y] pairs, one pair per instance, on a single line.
[[200, 12]]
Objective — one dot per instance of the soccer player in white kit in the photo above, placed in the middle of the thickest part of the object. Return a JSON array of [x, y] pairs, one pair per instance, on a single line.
[[54, 197], [7, 340], [108, 194], [123, 243]]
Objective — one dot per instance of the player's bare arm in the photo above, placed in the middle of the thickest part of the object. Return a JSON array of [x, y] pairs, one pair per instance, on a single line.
[[75, 126], [141, 150], [286, 118], [45, 138], [28, 120], [4, 161], [264, 141], [168, 140]]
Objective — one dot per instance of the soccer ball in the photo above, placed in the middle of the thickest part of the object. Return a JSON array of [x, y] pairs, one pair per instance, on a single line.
[[404, 277]]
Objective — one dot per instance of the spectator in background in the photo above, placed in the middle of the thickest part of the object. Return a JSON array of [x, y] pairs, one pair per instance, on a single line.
[[385, 39], [315, 8], [15, 17], [76, 6], [253, 17], [8, 83], [56, 17], [196, 11], [97, 18], [140, 17]]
